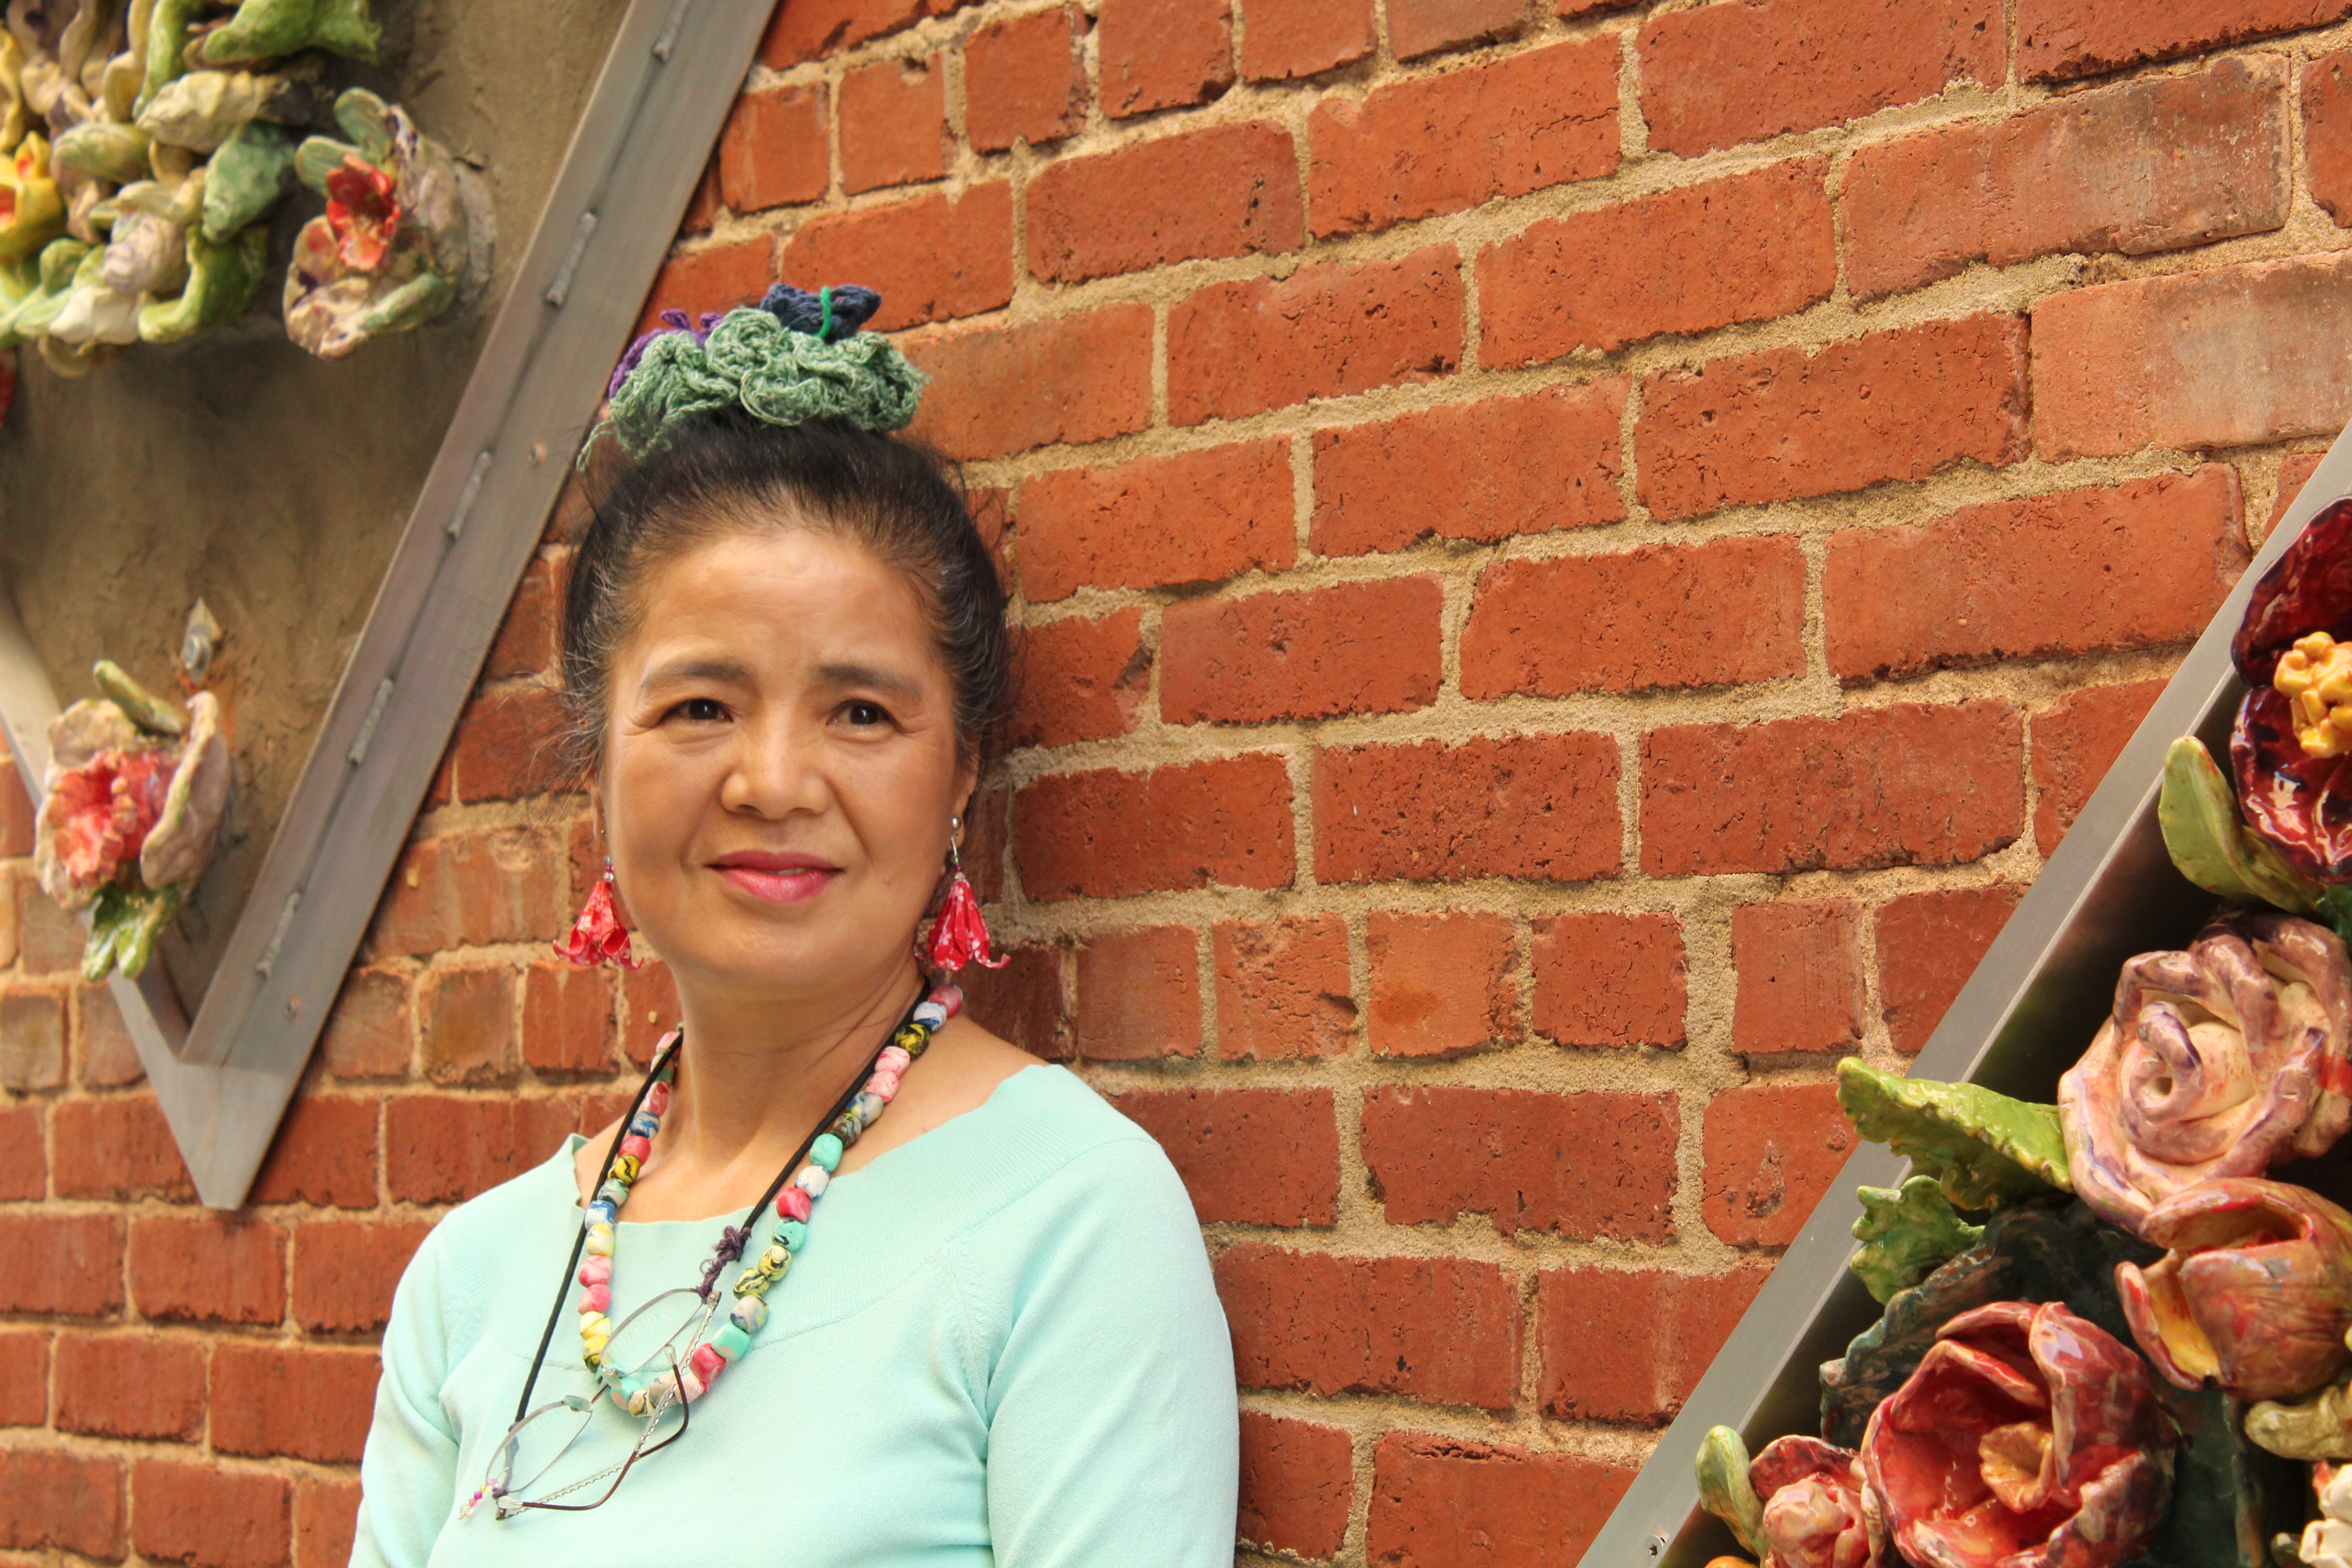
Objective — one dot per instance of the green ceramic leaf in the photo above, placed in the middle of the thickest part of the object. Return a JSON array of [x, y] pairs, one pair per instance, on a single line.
[[1722, 1488], [1908, 1233], [1984, 1149], [2209, 842], [245, 177], [138, 705]]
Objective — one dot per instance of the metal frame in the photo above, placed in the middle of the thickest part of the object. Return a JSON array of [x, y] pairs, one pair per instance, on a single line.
[[2026, 1014], [224, 1077]]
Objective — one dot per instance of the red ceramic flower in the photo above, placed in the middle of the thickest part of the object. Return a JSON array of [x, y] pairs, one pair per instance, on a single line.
[[2026, 1439], [959, 936], [2255, 1291], [102, 811], [2299, 802], [361, 213], [1813, 1514], [598, 936]]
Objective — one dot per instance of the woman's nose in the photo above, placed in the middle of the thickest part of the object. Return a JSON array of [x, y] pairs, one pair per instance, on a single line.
[[778, 770]]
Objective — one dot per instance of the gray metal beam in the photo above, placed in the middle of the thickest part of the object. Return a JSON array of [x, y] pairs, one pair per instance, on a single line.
[[2026, 1014]]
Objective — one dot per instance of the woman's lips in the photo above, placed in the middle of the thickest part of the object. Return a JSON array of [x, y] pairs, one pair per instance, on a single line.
[[784, 882]]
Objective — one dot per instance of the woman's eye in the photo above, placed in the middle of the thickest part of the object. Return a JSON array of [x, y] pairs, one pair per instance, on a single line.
[[866, 714], [700, 709]]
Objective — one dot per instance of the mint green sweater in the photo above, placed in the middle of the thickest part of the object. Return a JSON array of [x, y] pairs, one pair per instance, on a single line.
[[1001, 1344]]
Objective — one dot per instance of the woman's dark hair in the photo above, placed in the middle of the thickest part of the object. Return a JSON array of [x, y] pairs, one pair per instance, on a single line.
[[725, 474]]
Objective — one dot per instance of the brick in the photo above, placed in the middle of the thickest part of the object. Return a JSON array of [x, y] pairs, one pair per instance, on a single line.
[[10, 929], [1418, 28], [1442, 983], [1731, 612], [465, 1024], [324, 1155], [70, 1265], [893, 123], [505, 746], [1805, 63], [1446, 144], [1002, 389], [1771, 1151], [1287, 39], [32, 1038], [1538, 808], [326, 1518], [1025, 79], [1628, 1345], [131, 1385], [1579, 1165], [1080, 679], [24, 1154], [2059, 40], [1615, 275], [703, 208], [16, 812], [1343, 327], [1298, 1483], [48, 940], [311, 1402], [932, 257], [1546, 462], [1906, 784], [1787, 423], [2073, 742], [1799, 963], [368, 1034], [50, 1498], [773, 151], [208, 1270], [823, 28], [1929, 945], [1219, 191], [1253, 1156], [649, 1009], [23, 1377], [472, 890], [104, 1056], [207, 1517], [1611, 980], [567, 1018], [1107, 834], [2140, 564], [118, 1147], [1139, 994], [1318, 653], [444, 1149], [2327, 100], [2154, 164], [716, 277], [2233, 356], [1025, 1001], [1445, 1500], [344, 1271], [1194, 517], [1440, 1328], [1162, 54], [2294, 472], [1283, 989]]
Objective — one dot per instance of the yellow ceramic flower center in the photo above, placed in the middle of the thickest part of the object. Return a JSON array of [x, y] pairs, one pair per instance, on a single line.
[[2315, 675]]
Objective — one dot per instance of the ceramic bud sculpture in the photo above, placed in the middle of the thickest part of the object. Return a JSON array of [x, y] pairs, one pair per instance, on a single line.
[[1813, 1512], [2219, 1061], [2255, 1291], [2028, 1437]]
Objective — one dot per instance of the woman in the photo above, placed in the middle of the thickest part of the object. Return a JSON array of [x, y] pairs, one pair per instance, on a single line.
[[914, 1296]]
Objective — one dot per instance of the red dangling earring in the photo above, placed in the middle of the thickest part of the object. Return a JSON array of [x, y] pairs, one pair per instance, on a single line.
[[598, 936], [959, 936]]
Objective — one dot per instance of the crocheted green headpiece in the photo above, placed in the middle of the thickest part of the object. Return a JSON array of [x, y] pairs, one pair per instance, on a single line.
[[794, 357]]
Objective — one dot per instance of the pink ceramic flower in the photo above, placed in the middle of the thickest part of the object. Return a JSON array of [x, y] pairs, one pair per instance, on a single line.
[[102, 811], [2254, 1293], [2027, 1438], [2219, 1061], [1813, 1514]]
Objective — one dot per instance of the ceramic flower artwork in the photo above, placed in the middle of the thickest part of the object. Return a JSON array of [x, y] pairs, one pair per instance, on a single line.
[[147, 148], [130, 809], [2099, 1314]]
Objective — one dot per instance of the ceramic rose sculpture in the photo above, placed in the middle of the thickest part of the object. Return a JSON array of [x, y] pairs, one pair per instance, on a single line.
[[2098, 1314]]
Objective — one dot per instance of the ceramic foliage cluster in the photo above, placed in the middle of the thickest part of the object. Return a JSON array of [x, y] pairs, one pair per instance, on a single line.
[[2112, 1336], [144, 145]]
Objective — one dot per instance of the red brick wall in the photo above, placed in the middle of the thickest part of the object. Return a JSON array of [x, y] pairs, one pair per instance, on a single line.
[[1573, 562]]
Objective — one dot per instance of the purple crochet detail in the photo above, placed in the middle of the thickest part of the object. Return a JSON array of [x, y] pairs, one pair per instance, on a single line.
[[730, 1248], [672, 321]]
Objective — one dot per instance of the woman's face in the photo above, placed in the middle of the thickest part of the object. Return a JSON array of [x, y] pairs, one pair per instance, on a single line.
[[781, 766]]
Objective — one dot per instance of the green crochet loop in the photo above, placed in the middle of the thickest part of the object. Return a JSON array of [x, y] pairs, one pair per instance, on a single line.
[[753, 361]]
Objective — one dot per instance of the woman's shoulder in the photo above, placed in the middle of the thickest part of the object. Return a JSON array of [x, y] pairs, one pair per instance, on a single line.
[[1056, 1147]]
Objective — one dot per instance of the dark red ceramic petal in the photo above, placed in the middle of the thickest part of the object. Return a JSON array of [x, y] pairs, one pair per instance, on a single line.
[[2308, 589], [2301, 805]]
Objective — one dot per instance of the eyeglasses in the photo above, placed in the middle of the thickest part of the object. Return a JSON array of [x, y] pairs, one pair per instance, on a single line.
[[648, 1342]]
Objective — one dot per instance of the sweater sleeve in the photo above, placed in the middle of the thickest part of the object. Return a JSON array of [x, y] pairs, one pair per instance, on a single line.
[[1113, 1425], [408, 1469]]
